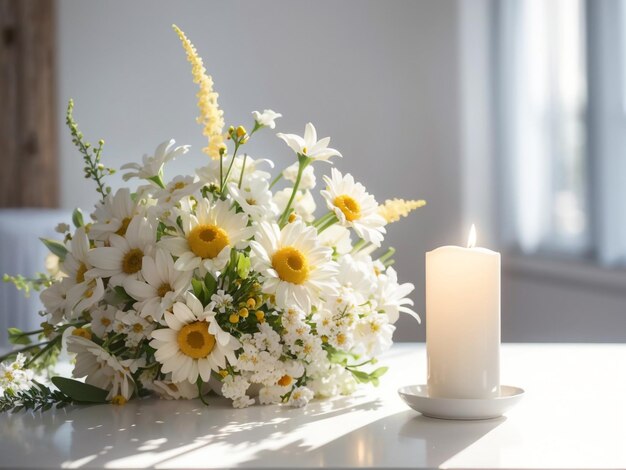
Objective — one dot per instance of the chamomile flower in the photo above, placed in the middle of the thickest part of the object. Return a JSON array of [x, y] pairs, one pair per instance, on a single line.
[[303, 204], [307, 180], [84, 292], [152, 166], [179, 187], [207, 237], [266, 118], [392, 296], [296, 268], [54, 299], [308, 145], [124, 258], [300, 396], [255, 198], [169, 390], [210, 174], [14, 377], [354, 207], [102, 320], [187, 347], [114, 214], [137, 328], [161, 287], [100, 368]]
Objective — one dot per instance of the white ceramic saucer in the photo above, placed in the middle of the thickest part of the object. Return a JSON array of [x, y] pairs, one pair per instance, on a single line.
[[416, 396]]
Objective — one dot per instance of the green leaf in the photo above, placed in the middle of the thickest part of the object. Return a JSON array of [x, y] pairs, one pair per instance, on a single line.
[[211, 285], [243, 266], [55, 247], [198, 288], [122, 294], [17, 336], [360, 376], [80, 391], [379, 372], [77, 218]]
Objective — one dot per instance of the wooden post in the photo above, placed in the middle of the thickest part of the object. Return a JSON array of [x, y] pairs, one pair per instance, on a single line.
[[28, 142]]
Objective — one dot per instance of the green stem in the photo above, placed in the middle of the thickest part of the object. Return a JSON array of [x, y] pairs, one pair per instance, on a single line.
[[223, 187], [200, 395], [51, 344], [358, 245], [329, 223], [323, 219], [390, 252], [17, 351], [243, 167], [303, 161], [276, 180]]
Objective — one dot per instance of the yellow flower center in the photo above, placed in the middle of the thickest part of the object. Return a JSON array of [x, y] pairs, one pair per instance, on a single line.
[[122, 230], [194, 340], [207, 241], [80, 273], [82, 332], [284, 381], [164, 289], [291, 265], [179, 185], [251, 201], [350, 208], [132, 261], [105, 321], [118, 400], [137, 327]]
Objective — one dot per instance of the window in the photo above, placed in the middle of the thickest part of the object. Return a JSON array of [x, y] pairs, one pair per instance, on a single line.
[[561, 113]]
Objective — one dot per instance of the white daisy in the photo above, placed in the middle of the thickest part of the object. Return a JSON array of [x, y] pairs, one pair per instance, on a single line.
[[207, 237], [100, 368], [392, 297], [210, 174], [307, 180], [308, 145], [255, 198], [137, 328], [84, 292], [303, 204], [162, 287], [354, 207], [102, 320], [176, 189], [114, 214], [14, 377], [297, 269], [300, 396], [152, 166], [193, 344], [337, 238], [124, 258], [266, 118], [54, 299], [169, 390]]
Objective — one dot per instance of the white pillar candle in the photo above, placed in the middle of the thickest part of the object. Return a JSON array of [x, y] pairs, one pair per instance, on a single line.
[[463, 321]]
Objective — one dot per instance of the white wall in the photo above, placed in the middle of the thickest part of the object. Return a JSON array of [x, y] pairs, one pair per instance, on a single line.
[[380, 77]]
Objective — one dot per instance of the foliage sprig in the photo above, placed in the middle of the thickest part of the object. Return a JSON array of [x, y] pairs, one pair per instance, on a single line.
[[94, 169]]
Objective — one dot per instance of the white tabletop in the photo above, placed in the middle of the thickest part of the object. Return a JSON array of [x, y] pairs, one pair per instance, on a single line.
[[573, 416]]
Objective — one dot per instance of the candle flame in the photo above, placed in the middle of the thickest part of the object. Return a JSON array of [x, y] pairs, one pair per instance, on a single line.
[[471, 240]]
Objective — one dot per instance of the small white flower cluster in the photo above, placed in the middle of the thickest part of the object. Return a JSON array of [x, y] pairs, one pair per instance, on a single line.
[[219, 280], [14, 377]]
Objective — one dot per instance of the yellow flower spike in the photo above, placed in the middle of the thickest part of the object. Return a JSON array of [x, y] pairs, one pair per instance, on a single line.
[[260, 316], [211, 116], [251, 303], [243, 313], [82, 332], [234, 318], [393, 209], [118, 400]]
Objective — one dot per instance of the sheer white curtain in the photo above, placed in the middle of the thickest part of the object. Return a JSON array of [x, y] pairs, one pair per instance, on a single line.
[[542, 104], [561, 108]]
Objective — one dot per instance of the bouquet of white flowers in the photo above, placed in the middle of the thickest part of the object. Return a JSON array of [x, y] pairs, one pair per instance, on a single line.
[[214, 281]]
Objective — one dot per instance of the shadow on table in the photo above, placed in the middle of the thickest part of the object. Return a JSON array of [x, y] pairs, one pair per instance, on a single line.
[[402, 439], [151, 432], [354, 430]]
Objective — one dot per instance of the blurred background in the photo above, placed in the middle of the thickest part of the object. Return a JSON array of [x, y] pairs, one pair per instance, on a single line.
[[508, 114]]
